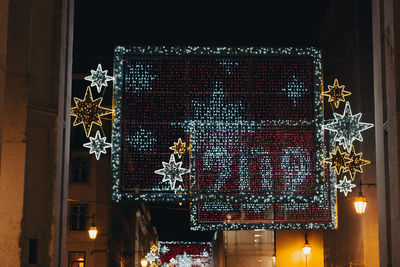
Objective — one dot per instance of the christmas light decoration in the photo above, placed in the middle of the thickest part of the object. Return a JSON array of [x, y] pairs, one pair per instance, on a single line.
[[97, 145], [179, 148], [151, 257], [141, 141], [140, 78], [295, 89], [99, 78], [154, 248], [355, 163], [88, 111], [338, 161], [255, 128], [345, 186], [347, 127], [187, 254], [336, 93], [172, 171]]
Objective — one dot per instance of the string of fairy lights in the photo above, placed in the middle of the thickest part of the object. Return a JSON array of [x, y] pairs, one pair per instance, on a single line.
[[215, 135]]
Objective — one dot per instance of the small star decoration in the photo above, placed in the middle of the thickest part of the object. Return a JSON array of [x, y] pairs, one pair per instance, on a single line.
[[88, 111], [151, 257], [338, 161], [336, 93], [347, 127], [355, 164], [99, 78], [154, 248], [345, 186], [172, 171], [97, 145], [179, 148]]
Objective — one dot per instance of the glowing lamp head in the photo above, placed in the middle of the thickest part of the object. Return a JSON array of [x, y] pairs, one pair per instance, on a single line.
[[360, 203], [81, 262], [143, 262], [92, 232], [307, 249]]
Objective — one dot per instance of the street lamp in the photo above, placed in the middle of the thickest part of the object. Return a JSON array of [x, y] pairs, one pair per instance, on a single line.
[[360, 203], [92, 230], [306, 247], [143, 262]]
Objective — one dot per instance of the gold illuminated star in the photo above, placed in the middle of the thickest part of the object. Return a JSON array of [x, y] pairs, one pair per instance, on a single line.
[[88, 111], [356, 162], [336, 93], [338, 161], [179, 147], [154, 248]]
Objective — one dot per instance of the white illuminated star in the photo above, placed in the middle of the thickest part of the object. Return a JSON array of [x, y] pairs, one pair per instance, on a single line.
[[172, 171], [97, 145], [151, 257], [345, 186], [347, 127], [164, 249], [99, 78]]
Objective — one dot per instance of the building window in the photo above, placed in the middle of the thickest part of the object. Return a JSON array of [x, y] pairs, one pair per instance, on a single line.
[[78, 217], [80, 172], [76, 259]]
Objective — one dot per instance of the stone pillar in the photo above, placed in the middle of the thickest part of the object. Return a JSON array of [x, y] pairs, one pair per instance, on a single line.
[[386, 23], [34, 123]]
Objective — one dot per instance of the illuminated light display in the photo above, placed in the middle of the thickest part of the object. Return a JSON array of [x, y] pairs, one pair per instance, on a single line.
[[252, 118], [141, 78], [347, 127], [88, 111], [185, 254], [227, 103], [336, 93], [141, 141], [97, 145], [355, 163], [99, 78], [345, 186], [151, 257], [179, 148], [172, 171], [338, 161]]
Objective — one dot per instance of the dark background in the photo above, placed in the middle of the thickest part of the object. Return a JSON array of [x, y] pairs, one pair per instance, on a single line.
[[102, 25]]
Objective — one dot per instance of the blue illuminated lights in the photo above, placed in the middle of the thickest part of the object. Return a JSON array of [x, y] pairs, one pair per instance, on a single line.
[[140, 78], [142, 140], [172, 171], [347, 127], [295, 89], [99, 78], [97, 145]]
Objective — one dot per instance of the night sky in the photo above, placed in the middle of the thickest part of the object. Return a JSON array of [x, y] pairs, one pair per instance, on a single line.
[[102, 25]]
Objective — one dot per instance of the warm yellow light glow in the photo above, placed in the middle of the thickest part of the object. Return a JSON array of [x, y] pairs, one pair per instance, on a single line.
[[143, 262], [360, 203], [88, 111], [336, 93], [92, 232], [307, 249], [81, 263], [179, 148]]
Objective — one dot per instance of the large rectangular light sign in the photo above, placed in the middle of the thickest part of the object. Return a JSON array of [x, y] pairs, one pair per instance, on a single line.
[[251, 120]]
